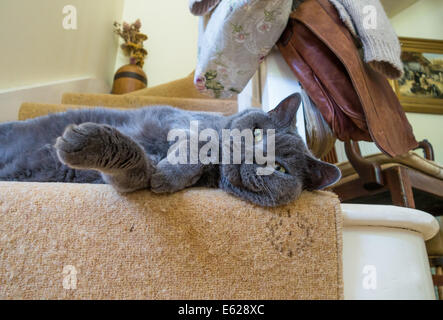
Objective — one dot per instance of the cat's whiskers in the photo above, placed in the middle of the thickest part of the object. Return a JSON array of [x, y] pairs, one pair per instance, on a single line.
[[266, 188]]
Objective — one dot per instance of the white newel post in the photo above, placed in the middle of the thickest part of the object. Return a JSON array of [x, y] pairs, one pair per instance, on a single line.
[[276, 81]]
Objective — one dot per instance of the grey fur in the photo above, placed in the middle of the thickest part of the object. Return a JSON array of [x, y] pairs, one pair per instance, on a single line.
[[128, 150]]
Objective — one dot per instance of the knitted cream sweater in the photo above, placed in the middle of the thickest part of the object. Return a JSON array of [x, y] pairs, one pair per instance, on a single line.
[[380, 43]]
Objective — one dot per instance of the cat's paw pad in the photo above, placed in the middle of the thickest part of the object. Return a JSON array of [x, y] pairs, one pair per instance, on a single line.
[[81, 145]]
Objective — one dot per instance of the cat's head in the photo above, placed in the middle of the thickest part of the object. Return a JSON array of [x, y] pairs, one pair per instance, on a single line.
[[295, 169]]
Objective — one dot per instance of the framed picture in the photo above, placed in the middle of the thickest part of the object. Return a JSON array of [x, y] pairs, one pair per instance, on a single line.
[[421, 87]]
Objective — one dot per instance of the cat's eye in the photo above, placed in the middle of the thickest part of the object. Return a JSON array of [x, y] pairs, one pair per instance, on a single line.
[[278, 167], [258, 134]]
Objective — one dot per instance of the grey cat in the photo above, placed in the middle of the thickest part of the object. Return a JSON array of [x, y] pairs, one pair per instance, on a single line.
[[128, 149]]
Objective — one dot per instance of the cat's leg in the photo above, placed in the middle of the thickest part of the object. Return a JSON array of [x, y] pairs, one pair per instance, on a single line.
[[121, 161], [169, 178]]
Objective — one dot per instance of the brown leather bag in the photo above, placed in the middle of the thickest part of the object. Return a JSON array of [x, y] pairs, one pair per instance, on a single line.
[[356, 101]]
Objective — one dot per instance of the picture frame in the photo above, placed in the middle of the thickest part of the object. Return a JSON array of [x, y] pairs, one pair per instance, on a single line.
[[421, 88]]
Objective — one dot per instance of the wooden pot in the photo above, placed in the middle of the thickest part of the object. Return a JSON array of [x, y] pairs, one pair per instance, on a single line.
[[129, 78]]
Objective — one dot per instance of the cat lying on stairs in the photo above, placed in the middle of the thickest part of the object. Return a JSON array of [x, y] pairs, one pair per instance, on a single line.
[[130, 150]]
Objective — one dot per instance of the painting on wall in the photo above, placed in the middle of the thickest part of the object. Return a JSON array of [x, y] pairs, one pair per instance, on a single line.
[[421, 87]]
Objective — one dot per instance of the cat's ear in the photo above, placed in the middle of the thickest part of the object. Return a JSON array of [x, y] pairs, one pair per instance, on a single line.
[[320, 174], [284, 113]]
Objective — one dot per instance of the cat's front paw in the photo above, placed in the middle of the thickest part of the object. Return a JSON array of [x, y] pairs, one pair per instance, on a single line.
[[81, 146]]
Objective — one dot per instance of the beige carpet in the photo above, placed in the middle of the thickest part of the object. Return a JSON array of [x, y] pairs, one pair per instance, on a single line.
[[195, 244], [77, 101], [67, 241], [179, 93], [133, 101], [180, 88]]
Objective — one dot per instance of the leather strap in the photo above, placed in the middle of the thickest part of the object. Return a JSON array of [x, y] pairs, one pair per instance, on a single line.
[[343, 126]]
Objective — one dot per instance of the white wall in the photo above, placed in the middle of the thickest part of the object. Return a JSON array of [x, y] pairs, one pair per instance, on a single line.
[[424, 19], [40, 60], [172, 43], [12, 99], [35, 48]]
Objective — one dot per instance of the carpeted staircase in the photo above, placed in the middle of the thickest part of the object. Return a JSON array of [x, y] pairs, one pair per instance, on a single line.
[[82, 241], [179, 93]]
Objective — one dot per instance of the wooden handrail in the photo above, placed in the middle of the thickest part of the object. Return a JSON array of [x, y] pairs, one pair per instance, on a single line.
[[427, 149], [438, 280], [369, 172]]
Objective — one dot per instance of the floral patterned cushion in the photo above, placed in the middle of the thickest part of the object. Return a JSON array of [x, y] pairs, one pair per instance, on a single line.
[[238, 36]]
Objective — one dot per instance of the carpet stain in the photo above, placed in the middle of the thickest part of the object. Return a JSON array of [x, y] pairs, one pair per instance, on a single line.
[[288, 237]]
